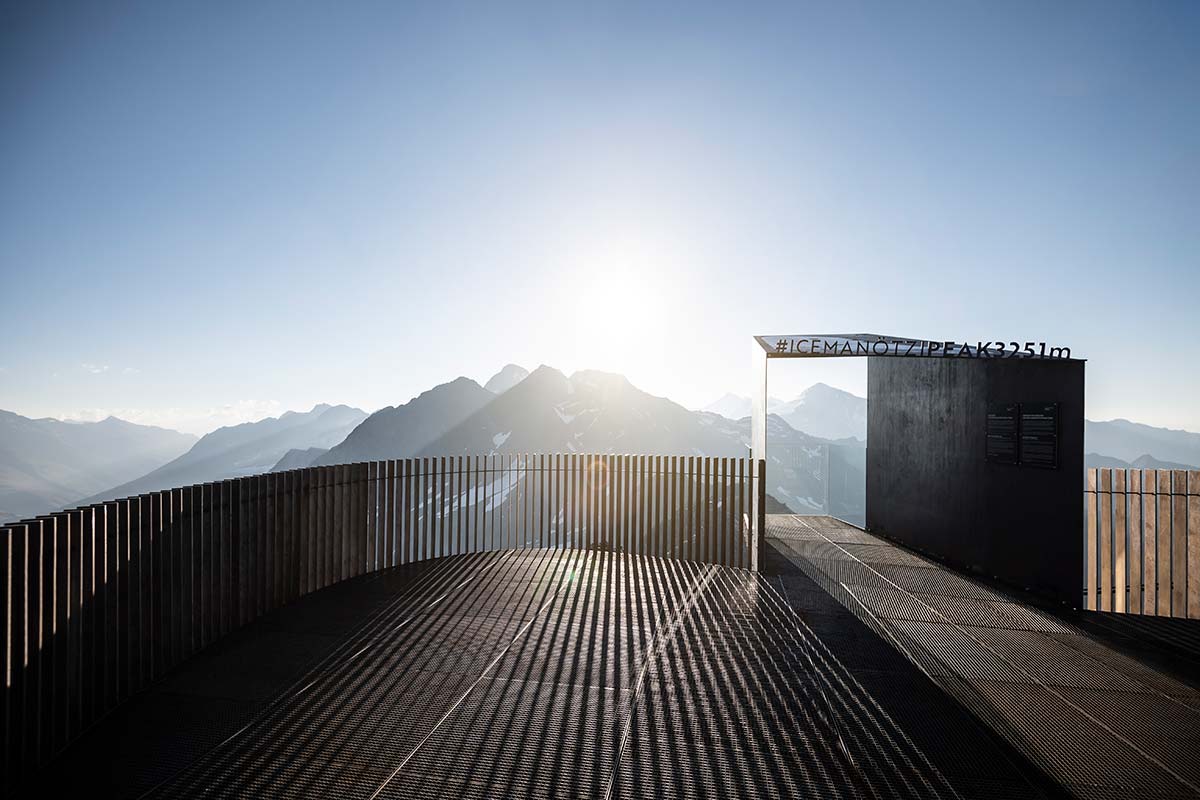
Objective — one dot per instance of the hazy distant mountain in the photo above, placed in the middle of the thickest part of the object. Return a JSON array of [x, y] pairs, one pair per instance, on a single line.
[[1097, 460], [47, 465], [506, 378], [1128, 441], [820, 410], [730, 405], [1150, 462], [299, 459], [245, 449], [402, 431], [735, 406], [828, 413], [1141, 462]]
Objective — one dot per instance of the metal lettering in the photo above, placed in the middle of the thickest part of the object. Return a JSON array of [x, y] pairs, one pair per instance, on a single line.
[[950, 348]]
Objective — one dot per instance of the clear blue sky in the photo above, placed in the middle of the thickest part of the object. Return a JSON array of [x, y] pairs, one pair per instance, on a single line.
[[216, 212]]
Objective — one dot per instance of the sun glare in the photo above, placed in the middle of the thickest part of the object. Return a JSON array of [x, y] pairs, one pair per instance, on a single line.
[[622, 302]]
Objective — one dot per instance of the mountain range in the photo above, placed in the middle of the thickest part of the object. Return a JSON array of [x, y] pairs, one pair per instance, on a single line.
[[587, 412], [401, 431], [245, 449], [545, 412], [1131, 441], [47, 464], [834, 414], [817, 439], [820, 410], [736, 406], [1141, 462]]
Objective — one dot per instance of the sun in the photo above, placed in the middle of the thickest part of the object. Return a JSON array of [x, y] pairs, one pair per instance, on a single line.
[[622, 300]]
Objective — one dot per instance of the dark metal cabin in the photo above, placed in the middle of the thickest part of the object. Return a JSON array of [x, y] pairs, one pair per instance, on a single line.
[[974, 450], [980, 463]]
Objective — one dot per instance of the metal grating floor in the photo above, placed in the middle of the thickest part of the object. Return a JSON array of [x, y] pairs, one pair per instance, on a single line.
[[1094, 719], [563, 674]]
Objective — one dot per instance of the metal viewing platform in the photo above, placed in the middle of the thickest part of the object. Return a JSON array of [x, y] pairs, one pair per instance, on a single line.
[[550, 674], [546, 626]]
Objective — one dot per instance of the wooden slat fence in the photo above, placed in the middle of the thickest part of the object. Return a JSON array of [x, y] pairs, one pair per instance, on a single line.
[[100, 601], [1142, 542]]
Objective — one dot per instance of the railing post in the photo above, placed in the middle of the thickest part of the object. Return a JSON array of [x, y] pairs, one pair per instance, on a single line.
[[1149, 542], [1193, 544], [16, 554], [740, 514], [9, 586], [1179, 548], [1188, 507], [1120, 532], [760, 522], [1106, 541], [1134, 547], [1091, 538], [1164, 542]]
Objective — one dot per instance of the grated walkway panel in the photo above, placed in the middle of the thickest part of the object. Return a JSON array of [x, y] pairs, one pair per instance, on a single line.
[[1097, 721], [554, 674]]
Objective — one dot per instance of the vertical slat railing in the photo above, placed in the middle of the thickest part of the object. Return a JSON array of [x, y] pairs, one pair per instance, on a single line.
[[98, 602], [1142, 542]]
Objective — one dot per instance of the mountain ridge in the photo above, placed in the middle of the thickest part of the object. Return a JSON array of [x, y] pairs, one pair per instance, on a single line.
[[244, 449], [820, 410], [541, 411], [47, 464], [1145, 461], [1126, 440], [400, 431]]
